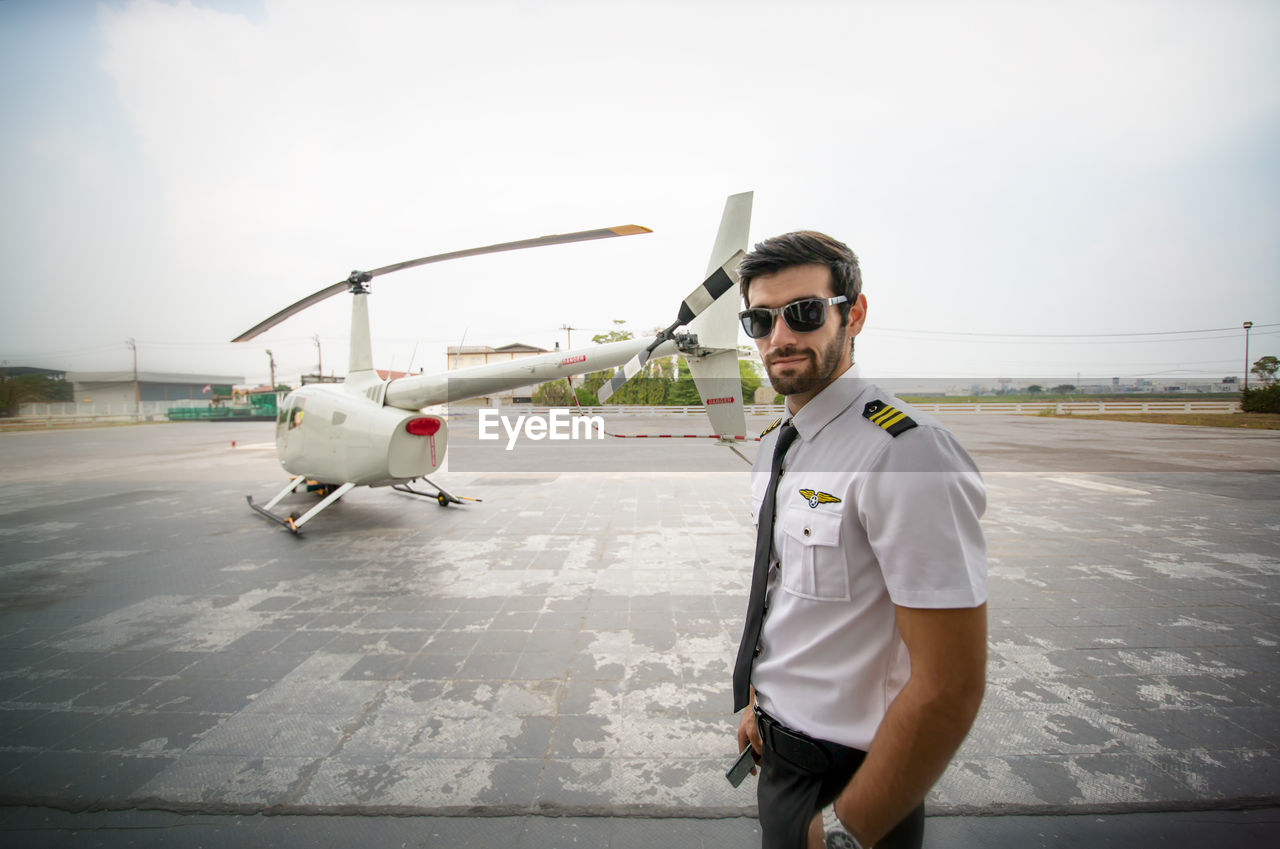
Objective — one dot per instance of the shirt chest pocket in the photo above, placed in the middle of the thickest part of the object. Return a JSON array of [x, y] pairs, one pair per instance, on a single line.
[[813, 564]]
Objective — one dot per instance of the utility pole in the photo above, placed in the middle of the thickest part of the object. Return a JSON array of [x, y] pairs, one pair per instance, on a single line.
[[272, 358], [319, 361], [1246, 327], [568, 335], [137, 387]]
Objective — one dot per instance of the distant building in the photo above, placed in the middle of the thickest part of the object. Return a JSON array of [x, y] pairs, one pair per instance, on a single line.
[[119, 388], [467, 356]]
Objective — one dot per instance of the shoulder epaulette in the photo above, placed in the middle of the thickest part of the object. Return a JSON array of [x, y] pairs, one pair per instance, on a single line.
[[893, 420], [765, 432]]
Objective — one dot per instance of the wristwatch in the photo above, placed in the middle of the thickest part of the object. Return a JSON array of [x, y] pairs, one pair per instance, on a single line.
[[842, 840]]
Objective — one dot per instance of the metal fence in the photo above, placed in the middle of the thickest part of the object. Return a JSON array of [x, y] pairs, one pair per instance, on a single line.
[[74, 413]]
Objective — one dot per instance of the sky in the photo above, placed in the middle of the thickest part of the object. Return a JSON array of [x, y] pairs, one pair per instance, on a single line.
[[1074, 190]]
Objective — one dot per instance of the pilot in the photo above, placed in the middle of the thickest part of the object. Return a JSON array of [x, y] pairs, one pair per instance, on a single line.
[[862, 661]]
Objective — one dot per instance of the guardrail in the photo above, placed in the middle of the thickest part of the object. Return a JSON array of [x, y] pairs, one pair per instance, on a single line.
[[1084, 407], [990, 407], [618, 410], [157, 411], [71, 413]]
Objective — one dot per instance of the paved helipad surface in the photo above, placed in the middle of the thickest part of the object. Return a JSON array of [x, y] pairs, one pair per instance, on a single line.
[[564, 647]]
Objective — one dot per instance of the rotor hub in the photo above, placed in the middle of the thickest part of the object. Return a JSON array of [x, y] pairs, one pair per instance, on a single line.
[[359, 282]]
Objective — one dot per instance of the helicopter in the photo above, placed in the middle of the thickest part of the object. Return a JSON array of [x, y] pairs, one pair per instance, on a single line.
[[369, 431]]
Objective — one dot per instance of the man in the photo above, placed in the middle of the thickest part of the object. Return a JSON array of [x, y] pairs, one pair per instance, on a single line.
[[864, 654]]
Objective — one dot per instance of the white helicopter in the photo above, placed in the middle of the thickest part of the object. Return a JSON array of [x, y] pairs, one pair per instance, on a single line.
[[366, 431]]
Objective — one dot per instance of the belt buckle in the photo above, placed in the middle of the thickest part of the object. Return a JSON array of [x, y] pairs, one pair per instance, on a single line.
[[771, 731], [792, 746], [764, 725]]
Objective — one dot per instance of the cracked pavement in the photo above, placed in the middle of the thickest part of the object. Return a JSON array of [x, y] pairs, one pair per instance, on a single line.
[[565, 646]]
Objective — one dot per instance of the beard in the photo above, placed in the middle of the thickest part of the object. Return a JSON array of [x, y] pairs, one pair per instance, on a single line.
[[812, 376]]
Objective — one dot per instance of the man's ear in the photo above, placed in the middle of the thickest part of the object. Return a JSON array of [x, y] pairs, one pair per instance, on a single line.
[[857, 315]]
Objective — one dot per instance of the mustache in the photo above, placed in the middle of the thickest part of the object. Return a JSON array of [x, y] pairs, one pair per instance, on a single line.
[[786, 353]]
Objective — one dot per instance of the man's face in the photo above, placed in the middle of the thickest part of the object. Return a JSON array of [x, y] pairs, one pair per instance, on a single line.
[[800, 365]]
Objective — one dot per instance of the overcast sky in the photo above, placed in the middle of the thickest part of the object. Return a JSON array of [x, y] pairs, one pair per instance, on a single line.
[[1015, 177]]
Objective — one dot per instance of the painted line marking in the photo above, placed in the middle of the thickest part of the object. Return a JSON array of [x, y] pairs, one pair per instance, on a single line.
[[1098, 486]]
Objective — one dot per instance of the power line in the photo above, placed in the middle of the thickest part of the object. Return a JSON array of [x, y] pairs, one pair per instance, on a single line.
[[1067, 335], [1011, 339]]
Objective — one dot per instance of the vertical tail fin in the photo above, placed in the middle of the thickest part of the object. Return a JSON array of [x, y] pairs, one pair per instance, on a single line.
[[716, 372]]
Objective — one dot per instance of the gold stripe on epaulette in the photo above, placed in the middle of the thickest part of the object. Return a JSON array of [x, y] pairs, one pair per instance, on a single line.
[[893, 420]]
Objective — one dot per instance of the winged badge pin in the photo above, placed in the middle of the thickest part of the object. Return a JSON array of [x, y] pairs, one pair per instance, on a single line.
[[816, 498]]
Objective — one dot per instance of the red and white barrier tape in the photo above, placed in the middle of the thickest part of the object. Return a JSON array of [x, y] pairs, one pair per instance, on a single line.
[[679, 436]]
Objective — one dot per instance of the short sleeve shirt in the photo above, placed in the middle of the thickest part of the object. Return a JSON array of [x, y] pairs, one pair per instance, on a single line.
[[865, 520]]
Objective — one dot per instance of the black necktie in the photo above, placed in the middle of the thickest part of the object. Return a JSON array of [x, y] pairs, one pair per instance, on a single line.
[[760, 575]]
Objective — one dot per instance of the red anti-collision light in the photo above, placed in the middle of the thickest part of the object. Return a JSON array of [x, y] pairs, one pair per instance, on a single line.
[[423, 426]]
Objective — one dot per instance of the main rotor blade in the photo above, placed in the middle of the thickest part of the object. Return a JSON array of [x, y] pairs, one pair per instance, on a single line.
[[330, 291], [292, 309], [563, 238]]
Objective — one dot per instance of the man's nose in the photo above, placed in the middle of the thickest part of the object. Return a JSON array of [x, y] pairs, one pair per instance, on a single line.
[[781, 335]]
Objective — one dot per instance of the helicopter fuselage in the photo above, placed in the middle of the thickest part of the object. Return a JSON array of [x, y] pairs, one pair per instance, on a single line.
[[330, 433]]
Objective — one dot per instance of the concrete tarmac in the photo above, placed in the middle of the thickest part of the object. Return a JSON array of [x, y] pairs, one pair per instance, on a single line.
[[552, 664]]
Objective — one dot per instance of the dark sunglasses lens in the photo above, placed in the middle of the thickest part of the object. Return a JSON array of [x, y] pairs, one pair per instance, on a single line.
[[805, 316], [756, 323]]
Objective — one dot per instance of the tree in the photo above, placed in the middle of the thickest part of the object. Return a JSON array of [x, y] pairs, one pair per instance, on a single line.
[[615, 335], [1264, 400], [1265, 368], [643, 391], [649, 388], [751, 380], [554, 393], [683, 393], [19, 389], [1035, 389], [1063, 389]]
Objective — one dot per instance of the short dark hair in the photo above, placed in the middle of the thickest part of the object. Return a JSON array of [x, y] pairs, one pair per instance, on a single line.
[[804, 247]]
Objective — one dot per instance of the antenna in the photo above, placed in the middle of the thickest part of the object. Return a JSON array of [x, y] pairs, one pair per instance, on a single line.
[[458, 354], [412, 357]]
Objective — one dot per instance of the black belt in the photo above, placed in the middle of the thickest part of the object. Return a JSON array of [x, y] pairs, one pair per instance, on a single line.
[[796, 747]]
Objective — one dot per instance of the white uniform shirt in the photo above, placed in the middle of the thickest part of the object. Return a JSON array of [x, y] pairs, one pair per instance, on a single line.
[[864, 521]]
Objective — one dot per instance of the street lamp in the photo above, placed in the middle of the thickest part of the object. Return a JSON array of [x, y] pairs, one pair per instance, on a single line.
[[272, 358], [1246, 327]]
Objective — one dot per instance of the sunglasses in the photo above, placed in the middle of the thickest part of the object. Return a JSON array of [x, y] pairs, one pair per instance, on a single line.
[[803, 316]]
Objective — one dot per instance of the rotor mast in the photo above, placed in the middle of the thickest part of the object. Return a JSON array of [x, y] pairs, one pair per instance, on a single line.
[[361, 358]]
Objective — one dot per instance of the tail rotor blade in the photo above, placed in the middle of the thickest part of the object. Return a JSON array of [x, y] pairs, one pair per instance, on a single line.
[[624, 374], [708, 292]]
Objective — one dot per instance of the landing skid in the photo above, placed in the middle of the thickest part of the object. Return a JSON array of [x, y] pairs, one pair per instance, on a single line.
[[291, 523], [442, 496]]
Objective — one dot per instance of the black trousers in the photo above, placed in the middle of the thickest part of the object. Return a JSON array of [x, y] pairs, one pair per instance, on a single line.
[[801, 775]]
